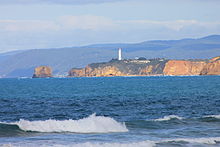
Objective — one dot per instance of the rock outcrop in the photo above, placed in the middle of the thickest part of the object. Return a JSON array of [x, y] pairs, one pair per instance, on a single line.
[[77, 72], [214, 59], [187, 67], [212, 68], [42, 72], [182, 67], [107, 71]]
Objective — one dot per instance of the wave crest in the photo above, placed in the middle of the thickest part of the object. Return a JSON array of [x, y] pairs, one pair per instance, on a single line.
[[209, 140], [91, 124], [149, 143], [212, 116], [169, 117]]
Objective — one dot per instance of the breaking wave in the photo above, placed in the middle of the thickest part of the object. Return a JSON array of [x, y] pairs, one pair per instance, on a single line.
[[209, 140], [212, 116], [176, 117], [169, 117], [149, 143], [91, 124]]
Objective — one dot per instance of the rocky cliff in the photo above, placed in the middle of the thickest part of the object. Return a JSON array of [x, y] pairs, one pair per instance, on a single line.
[[184, 67], [106, 71], [212, 68], [42, 72], [181, 67], [149, 68]]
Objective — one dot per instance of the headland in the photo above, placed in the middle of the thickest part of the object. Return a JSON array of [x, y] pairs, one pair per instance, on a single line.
[[142, 67]]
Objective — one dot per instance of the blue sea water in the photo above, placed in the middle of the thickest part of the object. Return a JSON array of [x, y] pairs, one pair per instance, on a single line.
[[115, 111]]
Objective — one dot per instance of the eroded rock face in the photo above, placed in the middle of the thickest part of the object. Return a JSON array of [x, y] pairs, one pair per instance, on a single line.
[[212, 68], [215, 59], [107, 71], [149, 70], [181, 67], [77, 72], [42, 72]]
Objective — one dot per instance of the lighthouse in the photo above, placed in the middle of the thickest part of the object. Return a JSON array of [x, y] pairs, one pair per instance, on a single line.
[[119, 54]]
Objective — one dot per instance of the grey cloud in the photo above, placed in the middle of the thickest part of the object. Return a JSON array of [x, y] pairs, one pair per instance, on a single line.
[[73, 2]]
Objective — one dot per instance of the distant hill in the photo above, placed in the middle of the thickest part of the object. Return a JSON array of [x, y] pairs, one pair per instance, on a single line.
[[22, 63]]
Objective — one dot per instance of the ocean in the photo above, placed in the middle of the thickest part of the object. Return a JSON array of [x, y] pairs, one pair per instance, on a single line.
[[160, 111]]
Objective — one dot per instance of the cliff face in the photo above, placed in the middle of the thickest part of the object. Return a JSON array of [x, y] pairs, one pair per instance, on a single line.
[[212, 68], [177, 67], [42, 72], [77, 72], [181, 67], [215, 59], [104, 72], [107, 71]]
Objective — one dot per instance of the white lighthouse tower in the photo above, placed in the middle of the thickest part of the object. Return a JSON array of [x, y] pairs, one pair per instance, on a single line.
[[119, 54]]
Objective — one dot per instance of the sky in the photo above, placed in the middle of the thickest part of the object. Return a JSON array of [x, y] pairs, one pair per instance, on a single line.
[[32, 24]]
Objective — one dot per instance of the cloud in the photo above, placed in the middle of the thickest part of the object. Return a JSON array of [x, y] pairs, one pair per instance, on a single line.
[[175, 25], [99, 23], [27, 25], [86, 22], [73, 2], [88, 29], [64, 23]]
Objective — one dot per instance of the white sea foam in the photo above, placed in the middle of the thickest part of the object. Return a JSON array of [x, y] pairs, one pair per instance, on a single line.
[[91, 124], [137, 144], [147, 143], [209, 140], [88, 144], [169, 117], [213, 116]]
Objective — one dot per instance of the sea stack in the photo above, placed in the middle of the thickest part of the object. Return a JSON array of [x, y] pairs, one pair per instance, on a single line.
[[42, 72]]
